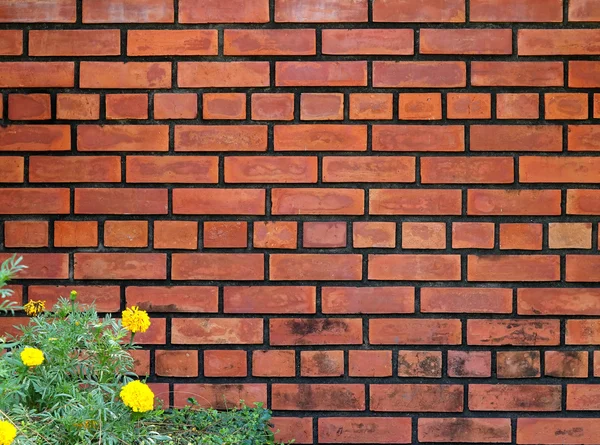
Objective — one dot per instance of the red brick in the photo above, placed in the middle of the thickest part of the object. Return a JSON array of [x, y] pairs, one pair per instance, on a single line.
[[415, 202], [584, 74], [596, 106], [217, 266], [37, 74], [518, 364], [513, 268], [29, 107], [318, 397], [467, 170], [515, 74], [414, 331], [467, 235], [582, 332], [321, 106], [269, 42], [172, 170], [175, 106], [274, 363], [375, 430], [75, 234], [320, 137], [559, 169], [215, 11], [423, 364], [366, 106], [418, 138], [516, 11], [225, 234], [315, 331], [122, 138], [273, 106], [32, 11], [35, 138], [172, 42], [545, 42], [583, 397], [224, 138], [465, 430], [315, 267], [275, 235], [209, 331], [368, 300], [141, 362], [176, 235], [513, 202], [466, 300], [118, 201], [225, 364], [516, 138], [131, 75], [596, 363], [127, 106], [469, 106], [273, 169], [416, 398], [566, 364], [298, 429], [200, 201], [229, 106], [419, 74], [324, 234], [11, 42], [584, 137], [368, 41], [126, 233], [36, 201], [120, 266], [26, 234], [173, 298], [367, 234], [75, 169], [269, 299], [79, 42], [128, 11], [465, 41], [405, 267], [12, 169], [566, 105], [322, 363], [514, 397], [558, 301], [517, 106], [176, 363], [420, 106], [557, 431], [222, 74], [317, 11], [583, 11], [8, 325], [471, 364], [305, 201], [408, 11], [513, 332], [421, 235], [370, 363], [583, 268], [221, 396], [78, 106], [318, 74], [521, 236]]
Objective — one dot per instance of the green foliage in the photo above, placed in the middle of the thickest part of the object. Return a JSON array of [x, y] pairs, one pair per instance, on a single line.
[[8, 270]]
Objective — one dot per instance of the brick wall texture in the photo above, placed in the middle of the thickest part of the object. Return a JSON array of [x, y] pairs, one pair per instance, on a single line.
[[379, 217]]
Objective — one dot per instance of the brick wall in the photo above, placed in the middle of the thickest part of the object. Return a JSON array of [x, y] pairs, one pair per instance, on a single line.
[[379, 217]]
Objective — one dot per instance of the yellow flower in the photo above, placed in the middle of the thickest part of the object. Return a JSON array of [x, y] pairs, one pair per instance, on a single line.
[[8, 432], [73, 295], [135, 320], [34, 308], [138, 396], [32, 357]]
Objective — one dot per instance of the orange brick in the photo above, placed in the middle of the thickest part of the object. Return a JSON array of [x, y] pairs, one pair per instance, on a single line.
[[12, 169], [374, 234], [314, 11], [275, 234], [223, 74], [570, 235], [368, 41], [320, 137], [472, 235], [78, 106], [452, 11], [127, 106], [122, 138], [225, 363], [420, 106], [225, 234], [273, 106], [521, 236], [269, 42], [75, 169], [272, 169], [32, 11], [174, 298], [172, 42], [119, 11], [566, 105], [424, 364], [449, 138], [36, 201], [365, 106], [126, 233], [517, 10], [320, 74], [176, 235], [517, 74], [175, 106], [419, 74], [29, 107], [322, 363], [37, 74], [75, 234], [224, 106], [26, 234], [173, 169], [75, 42], [518, 106], [274, 363], [11, 42], [324, 234], [215, 11], [176, 363], [423, 235], [131, 75], [465, 41], [370, 363], [321, 106], [469, 106]]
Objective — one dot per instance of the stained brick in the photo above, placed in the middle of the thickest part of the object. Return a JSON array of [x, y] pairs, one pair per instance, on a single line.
[[442, 11], [419, 74], [368, 41], [321, 11], [378, 430], [132, 75], [32, 11], [127, 11], [416, 398], [269, 42], [97, 42], [414, 331], [465, 41], [188, 42]]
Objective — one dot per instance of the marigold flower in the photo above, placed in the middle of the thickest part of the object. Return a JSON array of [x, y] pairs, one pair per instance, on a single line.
[[135, 320], [138, 396], [8, 432], [32, 357], [34, 308]]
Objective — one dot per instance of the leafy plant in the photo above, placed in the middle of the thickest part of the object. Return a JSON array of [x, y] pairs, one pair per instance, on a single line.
[[8, 270]]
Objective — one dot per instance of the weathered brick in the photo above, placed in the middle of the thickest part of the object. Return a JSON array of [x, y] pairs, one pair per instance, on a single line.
[[12, 169], [552, 431], [324, 234], [315, 267], [415, 331], [368, 300], [375, 430], [584, 138], [469, 105], [35, 138], [225, 363], [311, 201], [127, 11], [78, 106], [29, 107], [274, 363], [583, 11], [418, 138], [513, 202], [368, 234], [222, 74], [131, 75], [199, 201], [415, 202], [582, 332], [322, 363], [469, 364], [366, 106], [175, 106], [26, 234], [117, 201], [224, 106], [172, 170], [275, 234], [368, 41], [75, 169], [320, 137], [583, 397], [34, 11], [220, 138], [557, 301], [517, 74], [368, 169], [316, 74], [472, 235], [468, 430], [37, 75], [521, 236], [180, 363], [442, 11], [514, 397], [75, 233], [466, 300], [321, 106], [172, 42], [423, 364], [225, 234], [566, 364], [583, 268], [518, 364], [422, 235], [419, 74], [516, 10], [120, 266], [416, 398], [176, 235], [269, 299], [320, 11], [516, 138], [467, 170], [515, 332], [274, 169], [269, 42], [173, 298], [513, 268], [126, 106], [105, 298], [318, 397], [517, 106], [34, 201], [219, 396], [215, 11], [298, 429], [210, 331], [566, 106], [122, 138], [420, 106], [76, 42], [465, 41], [217, 266], [126, 233], [315, 331], [273, 106], [370, 363]]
